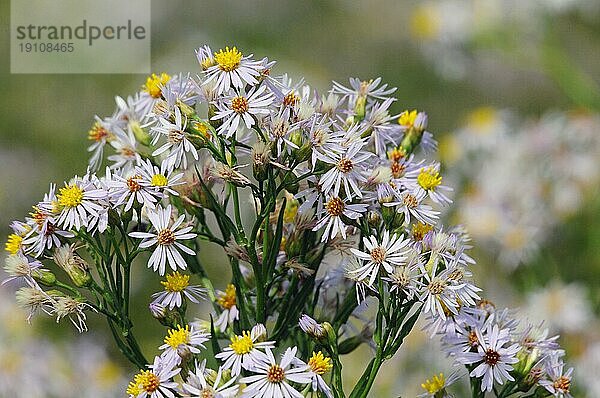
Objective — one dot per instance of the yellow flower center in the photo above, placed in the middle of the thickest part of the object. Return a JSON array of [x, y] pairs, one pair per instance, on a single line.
[[410, 200], [154, 83], [319, 363], [335, 207], [345, 165], [407, 118], [437, 286], [177, 337], [290, 99], [396, 154], [70, 196], [397, 169], [228, 298], [378, 254], [147, 381], [419, 230], [98, 133], [428, 178], [275, 374], [134, 389], [166, 237], [133, 183], [434, 385], [242, 344], [229, 59], [207, 392], [239, 105], [563, 384], [13, 243], [159, 180], [176, 282]]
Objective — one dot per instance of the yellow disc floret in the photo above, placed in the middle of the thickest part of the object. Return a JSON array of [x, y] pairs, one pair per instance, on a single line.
[[134, 389], [154, 84], [228, 59], [228, 298], [434, 385], [407, 118], [13, 243], [242, 344], [177, 337], [419, 230], [428, 178], [176, 282], [98, 133], [147, 381], [319, 363], [159, 180], [70, 196]]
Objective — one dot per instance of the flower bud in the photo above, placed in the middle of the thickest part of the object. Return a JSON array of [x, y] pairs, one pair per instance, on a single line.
[[45, 277], [360, 108]]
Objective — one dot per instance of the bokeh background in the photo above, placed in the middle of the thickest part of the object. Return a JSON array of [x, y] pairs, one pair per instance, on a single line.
[[512, 92]]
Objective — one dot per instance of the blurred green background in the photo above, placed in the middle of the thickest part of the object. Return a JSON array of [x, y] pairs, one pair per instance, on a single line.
[[447, 58]]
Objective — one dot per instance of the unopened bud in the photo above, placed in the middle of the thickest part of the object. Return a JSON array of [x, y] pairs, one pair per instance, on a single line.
[[360, 108], [45, 277]]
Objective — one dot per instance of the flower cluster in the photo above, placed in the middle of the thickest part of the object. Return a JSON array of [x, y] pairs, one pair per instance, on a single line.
[[343, 230]]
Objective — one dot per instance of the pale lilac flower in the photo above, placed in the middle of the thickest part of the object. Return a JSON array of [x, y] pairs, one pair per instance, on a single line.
[[494, 357]]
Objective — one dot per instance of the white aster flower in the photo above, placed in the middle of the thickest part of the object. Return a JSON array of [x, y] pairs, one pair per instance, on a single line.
[[242, 108], [131, 189], [411, 205], [182, 342], [229, 68], [44, 232], [558, 382], [271, 379], [78, 203], [347, 169], [245, 351], [177, 286], [318, 364], [165, 237], [439, 293], [156, 382], [178, 144], [494, 358], [428, 180], [390, 253], [227, 300], [100, 135], [366, 89], [331, 219], [197, 384]]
